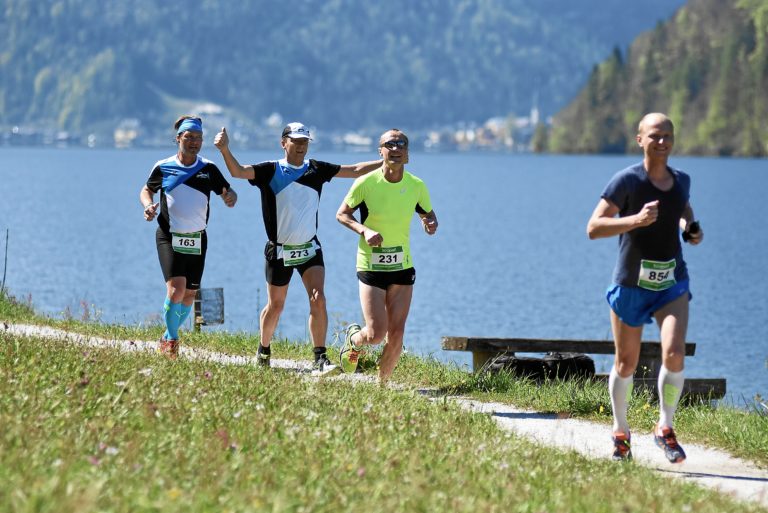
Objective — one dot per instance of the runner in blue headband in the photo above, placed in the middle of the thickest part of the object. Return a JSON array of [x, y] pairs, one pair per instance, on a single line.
[[190, 125]]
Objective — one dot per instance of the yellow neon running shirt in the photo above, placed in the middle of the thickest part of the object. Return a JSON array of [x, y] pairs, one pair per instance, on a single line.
[[387, 208]]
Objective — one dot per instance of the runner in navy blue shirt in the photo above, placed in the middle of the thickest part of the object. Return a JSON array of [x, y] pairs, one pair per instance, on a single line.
[[185, 182], [647, 205], [290, 198]]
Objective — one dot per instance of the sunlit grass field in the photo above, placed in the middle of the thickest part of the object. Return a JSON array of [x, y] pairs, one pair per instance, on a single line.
[[86, 429]]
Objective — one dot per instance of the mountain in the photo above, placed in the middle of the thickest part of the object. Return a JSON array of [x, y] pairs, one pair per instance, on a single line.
[[81, 65], [707, 68]]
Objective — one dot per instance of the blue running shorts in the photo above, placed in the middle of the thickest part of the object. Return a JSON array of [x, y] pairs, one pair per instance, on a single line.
[[636, 306]]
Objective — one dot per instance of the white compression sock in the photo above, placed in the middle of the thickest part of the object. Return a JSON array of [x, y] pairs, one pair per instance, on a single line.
[[620, 389], [670, 387]]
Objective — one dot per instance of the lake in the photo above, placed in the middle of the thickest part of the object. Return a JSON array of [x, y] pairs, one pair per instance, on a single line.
[[511, 257]]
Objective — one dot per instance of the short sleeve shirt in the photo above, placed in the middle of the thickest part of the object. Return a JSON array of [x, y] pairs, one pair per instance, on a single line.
[[290, 198], [185, 193], [387, 208], [629, 190]]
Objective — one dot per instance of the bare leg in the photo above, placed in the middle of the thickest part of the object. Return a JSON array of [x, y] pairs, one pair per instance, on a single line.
[[373, 301], [270, 315], [673, 323], [314, 279], [620, 383], [398, 306]]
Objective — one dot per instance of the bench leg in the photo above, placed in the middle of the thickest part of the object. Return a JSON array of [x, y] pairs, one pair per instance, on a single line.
[[480, 358]]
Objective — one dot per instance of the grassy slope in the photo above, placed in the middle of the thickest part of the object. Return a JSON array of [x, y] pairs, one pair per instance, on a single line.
[[95, 430]]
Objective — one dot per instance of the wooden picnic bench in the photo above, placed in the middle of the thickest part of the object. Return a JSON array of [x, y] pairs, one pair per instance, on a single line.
[[485, 349]]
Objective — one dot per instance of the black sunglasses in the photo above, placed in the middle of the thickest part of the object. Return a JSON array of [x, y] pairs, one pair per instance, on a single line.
[[395, 143]]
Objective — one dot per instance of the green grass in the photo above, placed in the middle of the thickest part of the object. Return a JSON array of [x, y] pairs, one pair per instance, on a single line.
[[99, 430]]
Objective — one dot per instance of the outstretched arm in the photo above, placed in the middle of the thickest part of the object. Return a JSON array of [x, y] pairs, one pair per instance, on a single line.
[[345, 217], [604, 222], [359, 169], [221, 141]]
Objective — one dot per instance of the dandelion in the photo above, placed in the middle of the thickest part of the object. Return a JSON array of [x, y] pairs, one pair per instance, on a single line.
[[173, 493], [602, 409]]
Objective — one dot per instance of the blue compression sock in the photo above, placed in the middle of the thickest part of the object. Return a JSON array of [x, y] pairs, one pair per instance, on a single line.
[[171, 315], [184, 311]]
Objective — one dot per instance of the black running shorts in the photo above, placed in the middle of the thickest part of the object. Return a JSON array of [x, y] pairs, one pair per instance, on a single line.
[[383, 279], [175, 264], [278, 274]]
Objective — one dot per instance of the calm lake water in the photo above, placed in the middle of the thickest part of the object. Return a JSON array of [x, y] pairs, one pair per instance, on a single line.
[[511, 257]]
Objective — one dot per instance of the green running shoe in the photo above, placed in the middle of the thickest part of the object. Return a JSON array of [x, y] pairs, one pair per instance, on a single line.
[[349, 353]]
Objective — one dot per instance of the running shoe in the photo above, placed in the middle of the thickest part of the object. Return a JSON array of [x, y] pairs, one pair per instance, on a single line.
[[169, 347], [622, 449], [323, 366], [349, 353], [321, 362], [262, 359], [666, 439]]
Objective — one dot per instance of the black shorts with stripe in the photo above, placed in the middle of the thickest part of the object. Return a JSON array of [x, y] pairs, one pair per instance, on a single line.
[[176, 265]]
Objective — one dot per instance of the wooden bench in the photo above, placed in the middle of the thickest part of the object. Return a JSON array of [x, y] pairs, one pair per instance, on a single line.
[[485, 349]]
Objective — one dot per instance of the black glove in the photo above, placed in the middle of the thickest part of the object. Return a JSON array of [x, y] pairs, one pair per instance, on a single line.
[[692, 229]]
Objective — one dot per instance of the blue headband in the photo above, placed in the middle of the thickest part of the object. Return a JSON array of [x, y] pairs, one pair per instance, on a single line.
[[190, 125]]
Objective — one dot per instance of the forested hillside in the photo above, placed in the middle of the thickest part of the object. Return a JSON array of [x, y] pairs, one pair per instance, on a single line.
[[80, 64], [707, 68]]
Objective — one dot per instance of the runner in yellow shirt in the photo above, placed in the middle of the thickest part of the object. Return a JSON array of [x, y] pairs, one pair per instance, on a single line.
[[386, 199]]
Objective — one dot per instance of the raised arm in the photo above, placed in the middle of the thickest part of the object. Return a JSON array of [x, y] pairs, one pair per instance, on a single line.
[[604, 222], [345, 216], [359, 169], [221, 141]]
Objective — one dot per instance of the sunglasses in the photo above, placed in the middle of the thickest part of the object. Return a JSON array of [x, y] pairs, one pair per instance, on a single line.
[[395, 144]]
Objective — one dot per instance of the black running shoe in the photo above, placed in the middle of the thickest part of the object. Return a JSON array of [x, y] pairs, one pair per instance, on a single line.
[[262, 359], [322, 363]]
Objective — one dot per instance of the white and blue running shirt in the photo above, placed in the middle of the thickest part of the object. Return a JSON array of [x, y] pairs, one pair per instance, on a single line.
[[290, 198], [185, 193]]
